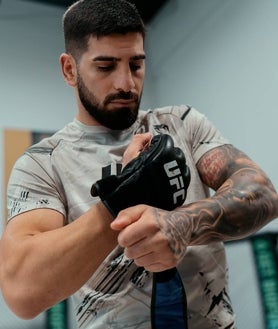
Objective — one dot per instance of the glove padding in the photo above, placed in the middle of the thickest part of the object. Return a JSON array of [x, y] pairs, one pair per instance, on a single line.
[[158, 177]]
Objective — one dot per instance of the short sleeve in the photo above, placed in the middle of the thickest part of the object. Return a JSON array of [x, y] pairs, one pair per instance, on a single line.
[[204, 136], [32, 185]]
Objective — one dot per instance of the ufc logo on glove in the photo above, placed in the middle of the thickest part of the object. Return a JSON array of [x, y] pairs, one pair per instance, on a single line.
[[173, 171]]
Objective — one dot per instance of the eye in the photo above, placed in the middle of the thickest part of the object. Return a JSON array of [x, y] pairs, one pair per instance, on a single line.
[[105, 68], [134, 67]]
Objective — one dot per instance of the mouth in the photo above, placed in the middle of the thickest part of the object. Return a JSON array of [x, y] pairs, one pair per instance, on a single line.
[[123, 102]]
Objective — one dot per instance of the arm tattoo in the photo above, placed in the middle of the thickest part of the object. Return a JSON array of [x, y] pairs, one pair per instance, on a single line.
[[244, 201]]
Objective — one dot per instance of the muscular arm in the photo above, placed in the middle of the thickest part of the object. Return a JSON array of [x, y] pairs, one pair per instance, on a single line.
[[44, 262], [244, 201]]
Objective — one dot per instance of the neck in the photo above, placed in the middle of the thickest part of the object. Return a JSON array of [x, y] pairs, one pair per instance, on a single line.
[[86, 119]]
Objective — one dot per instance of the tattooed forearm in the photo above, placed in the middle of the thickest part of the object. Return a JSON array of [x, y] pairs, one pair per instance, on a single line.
[[177, 228], [244, 201]]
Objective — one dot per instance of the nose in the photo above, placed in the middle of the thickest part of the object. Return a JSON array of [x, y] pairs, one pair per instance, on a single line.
[[124, 81]]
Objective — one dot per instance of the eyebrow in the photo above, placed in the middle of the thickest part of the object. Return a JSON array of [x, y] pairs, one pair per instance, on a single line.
[[104, 58]]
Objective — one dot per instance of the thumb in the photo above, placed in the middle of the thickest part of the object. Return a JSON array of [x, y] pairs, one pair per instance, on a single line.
[[127, 217]]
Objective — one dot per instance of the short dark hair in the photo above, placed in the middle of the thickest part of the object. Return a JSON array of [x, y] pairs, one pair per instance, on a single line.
[[98, 18]]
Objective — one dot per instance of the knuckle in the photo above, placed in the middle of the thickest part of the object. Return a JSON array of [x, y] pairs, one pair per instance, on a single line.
[[139, 262], [128, 253], [122, 240], [172, 263]]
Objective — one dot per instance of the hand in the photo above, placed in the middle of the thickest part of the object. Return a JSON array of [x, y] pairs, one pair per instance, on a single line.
[[147, 239], [139, 143]]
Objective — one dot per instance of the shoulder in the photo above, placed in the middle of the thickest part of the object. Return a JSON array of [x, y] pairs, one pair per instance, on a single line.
[[68, 134], [167, 117], [185, 123], [179, 112]]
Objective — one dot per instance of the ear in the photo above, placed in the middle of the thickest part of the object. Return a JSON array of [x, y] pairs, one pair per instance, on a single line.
[[68, 67]]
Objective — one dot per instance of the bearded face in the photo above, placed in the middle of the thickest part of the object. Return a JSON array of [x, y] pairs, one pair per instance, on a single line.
[[109, 113]]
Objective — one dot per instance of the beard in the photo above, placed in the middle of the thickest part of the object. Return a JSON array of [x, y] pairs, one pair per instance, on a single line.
[[118, 118]]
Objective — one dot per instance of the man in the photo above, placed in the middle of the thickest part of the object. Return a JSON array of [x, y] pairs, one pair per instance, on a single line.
[[61, 241]]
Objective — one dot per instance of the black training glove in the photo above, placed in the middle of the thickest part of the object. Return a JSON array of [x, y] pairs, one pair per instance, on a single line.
[[158, 177]]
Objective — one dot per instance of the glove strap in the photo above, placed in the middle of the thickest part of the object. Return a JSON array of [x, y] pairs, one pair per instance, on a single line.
[[168, 305]]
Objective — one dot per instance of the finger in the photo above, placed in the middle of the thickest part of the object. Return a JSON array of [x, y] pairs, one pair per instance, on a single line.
[[131, 235], [156, 244], [156, 261], [155, 266], [139, 143], [140, 232]]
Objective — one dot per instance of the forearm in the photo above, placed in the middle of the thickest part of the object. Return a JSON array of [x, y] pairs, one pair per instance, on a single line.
[[232, 213], [47, 267], [241, 206], [245, 199]]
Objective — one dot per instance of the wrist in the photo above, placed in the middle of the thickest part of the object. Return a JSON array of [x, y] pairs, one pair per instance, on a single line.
[[175, 225], [103, 212]]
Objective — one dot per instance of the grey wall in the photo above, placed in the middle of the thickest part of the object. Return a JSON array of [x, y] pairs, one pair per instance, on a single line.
[[219, 56]]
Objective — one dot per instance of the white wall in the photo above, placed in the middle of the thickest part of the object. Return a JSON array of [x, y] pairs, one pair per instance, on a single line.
[[219, 56]]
